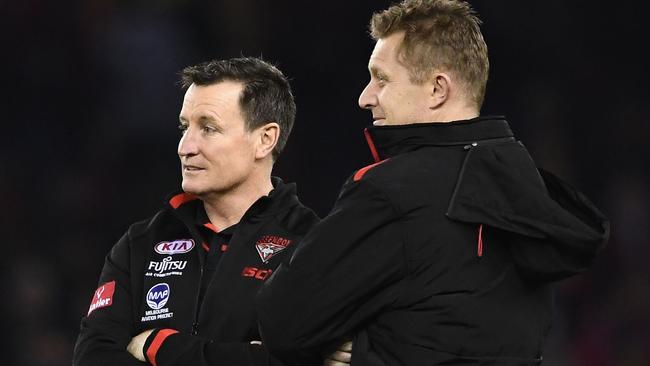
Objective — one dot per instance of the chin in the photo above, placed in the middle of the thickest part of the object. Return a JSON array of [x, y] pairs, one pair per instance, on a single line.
[[192, 188], [203, 190]]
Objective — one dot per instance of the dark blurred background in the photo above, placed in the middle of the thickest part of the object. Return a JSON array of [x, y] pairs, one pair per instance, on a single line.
[[90, 105]]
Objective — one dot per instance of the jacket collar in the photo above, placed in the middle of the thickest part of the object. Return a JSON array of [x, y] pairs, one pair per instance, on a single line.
[[388, 141], [281, 197]]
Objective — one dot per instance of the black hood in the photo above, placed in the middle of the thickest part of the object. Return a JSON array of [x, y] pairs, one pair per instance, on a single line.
[[556, 230]]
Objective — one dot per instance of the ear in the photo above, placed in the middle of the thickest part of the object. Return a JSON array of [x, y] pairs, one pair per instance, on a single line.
[[267, 137], [440, 89]]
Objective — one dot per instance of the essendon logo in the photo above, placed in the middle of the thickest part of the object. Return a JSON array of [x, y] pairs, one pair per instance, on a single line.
[[103, 297], [174, 247], [270, 245]]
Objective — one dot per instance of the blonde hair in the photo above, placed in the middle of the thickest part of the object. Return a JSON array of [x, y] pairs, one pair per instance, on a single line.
[[439, 35]]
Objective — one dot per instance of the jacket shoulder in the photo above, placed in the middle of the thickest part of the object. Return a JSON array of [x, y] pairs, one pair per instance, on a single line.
[[163, 220], [359, 174], [299, 219], [415, 164]]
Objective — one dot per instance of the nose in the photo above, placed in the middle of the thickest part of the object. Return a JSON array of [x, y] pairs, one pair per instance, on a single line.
[[368, 97], [188, 146]]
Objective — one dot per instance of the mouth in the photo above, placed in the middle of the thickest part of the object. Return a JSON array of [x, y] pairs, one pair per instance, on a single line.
[[191, 168]]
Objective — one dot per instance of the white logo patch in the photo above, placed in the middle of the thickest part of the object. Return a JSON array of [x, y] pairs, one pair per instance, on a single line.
[[167, 267]]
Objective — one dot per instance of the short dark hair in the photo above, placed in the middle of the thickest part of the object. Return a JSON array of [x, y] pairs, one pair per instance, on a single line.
[[438, 34], [266, 95]]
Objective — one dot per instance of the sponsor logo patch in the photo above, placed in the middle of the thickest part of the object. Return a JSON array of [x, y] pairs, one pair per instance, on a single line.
[[270, 245], [174, 247], [158, 295], [103, 297], [166, 267], [257, 273]]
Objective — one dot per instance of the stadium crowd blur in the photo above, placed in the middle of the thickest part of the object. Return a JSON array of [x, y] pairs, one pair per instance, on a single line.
[[90, 105]]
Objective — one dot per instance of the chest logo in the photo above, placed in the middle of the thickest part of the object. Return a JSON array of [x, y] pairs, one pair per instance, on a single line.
[[158, 295], [270, 245], [166, 267], [174, 247]]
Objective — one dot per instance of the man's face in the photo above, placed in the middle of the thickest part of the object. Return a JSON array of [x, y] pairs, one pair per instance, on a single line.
[[217, 153], [390, 94]]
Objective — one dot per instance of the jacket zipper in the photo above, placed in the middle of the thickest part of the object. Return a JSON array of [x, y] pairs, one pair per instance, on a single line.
[[196, 235], [197, 304]]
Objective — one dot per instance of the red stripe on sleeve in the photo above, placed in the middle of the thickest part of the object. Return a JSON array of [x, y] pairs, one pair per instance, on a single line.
[[479, 251], [157, 342]]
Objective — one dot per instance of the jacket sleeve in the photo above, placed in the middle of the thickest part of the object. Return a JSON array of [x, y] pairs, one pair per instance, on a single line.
[[339, 277], [166, 347], [108, 327]]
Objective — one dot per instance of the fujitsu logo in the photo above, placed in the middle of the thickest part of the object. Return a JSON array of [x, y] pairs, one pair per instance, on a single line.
[[167, 264], [174, 247]]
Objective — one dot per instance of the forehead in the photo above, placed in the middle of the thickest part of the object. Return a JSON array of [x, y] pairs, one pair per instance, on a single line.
[[386, 51], [223, 95]]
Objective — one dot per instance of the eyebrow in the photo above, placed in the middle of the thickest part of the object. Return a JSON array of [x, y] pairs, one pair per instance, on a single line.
[[202, 119], [375, 71]]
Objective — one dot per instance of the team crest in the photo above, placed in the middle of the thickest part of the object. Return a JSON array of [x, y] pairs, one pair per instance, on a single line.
[[270, 245]]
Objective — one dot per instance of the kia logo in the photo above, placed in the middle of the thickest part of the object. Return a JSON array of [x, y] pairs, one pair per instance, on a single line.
[[174, 247]]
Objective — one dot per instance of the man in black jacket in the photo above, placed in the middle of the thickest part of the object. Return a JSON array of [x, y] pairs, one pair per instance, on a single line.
[[178, 288], [444, 250]]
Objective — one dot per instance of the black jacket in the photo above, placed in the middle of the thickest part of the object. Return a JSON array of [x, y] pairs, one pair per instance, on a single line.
[[151, 279], [441, 253]]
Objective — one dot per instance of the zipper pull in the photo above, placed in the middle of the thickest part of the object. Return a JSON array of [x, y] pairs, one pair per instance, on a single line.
[[473, 144]]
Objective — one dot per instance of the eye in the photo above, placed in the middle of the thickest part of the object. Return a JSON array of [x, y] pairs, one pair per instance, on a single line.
[[381, 79], [182, 128], [208, 129]]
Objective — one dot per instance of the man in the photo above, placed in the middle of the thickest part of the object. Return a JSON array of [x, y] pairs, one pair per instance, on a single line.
[[178, 288], [443, 251]]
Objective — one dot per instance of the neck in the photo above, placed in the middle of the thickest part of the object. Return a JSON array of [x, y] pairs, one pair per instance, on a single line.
[[456, 115], [227, 209], [453, 110]]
